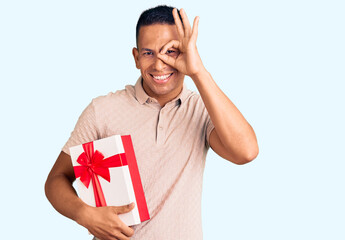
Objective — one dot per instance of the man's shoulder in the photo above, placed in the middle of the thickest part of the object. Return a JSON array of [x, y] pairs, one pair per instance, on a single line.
[[193, 98], [114, 97]]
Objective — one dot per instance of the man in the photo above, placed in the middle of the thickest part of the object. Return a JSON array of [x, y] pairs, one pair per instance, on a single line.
[[171, 131]]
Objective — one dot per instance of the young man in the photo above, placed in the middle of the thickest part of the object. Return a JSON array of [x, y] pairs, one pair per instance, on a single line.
[[171, 128]]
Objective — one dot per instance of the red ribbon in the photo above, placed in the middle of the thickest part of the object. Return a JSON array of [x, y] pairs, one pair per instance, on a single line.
[[93, 164]]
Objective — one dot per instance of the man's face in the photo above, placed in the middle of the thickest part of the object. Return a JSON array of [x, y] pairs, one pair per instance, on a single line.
[[160, 80]]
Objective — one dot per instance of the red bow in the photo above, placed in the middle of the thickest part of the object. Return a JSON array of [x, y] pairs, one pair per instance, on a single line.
[[93, 164]]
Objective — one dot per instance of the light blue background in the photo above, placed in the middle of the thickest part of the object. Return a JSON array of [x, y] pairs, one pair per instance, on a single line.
[[281, 62]]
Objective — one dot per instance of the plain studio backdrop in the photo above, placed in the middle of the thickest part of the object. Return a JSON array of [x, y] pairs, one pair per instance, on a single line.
[[281, 62]]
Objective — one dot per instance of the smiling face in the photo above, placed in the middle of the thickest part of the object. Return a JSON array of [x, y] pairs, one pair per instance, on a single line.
[[160, 80]]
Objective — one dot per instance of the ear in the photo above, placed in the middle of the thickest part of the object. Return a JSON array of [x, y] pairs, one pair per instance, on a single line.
[[135, 53]]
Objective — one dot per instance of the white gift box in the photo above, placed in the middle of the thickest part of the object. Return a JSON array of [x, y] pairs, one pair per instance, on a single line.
[[124, 185]]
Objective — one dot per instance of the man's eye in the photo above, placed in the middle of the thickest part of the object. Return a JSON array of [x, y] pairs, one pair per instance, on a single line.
[[172, 53], [147, 53]]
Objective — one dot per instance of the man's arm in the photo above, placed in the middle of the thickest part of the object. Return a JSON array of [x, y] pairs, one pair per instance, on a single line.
[[232, 138], [103, 222]]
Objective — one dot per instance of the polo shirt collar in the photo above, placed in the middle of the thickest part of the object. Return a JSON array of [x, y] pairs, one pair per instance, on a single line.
[[142, 96]]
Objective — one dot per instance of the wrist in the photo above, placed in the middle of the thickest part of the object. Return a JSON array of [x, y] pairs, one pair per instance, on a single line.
[[199, 75], [82, 214]]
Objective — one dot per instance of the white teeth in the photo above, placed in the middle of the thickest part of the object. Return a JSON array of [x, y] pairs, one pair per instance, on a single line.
[[162, 77]]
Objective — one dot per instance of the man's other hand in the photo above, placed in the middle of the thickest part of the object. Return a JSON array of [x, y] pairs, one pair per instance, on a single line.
[[104, 222]]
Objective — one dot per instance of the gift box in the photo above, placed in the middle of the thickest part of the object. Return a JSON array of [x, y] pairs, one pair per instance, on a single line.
[[107, 174]]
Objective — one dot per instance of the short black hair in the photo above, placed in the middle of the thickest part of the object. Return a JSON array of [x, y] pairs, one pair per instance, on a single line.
[[161, 14]]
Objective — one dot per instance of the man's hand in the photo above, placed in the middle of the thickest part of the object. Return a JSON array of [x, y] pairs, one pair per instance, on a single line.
[[104, 223], [188, 60], [232, 138]]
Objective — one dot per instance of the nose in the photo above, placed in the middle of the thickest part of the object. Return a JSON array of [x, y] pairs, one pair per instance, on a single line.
[[159, 64]]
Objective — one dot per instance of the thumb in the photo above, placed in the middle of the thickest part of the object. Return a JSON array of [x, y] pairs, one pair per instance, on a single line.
[[124, 208]]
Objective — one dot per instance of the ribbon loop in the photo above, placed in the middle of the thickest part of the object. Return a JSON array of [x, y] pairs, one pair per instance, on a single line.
[[93, 164]]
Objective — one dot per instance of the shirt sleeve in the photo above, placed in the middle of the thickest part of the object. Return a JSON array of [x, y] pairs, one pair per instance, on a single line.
[[209, 128], [85, 130]]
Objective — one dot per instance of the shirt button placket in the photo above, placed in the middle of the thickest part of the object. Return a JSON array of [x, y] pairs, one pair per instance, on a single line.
[[160, 130]]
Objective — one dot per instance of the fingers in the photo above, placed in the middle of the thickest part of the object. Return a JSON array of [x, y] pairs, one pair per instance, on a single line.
[[104, 222], [121, 236], [178, 23], [171, 44], [195, 29], [186, 24], [166, 58], [118, 236], [127, 231], [124, 232], [185, 30], [124, 208]]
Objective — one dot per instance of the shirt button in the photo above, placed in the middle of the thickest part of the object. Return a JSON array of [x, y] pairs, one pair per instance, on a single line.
[[160, 127]]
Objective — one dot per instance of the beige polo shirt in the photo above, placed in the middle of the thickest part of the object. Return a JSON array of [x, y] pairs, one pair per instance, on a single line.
[[170, 144]]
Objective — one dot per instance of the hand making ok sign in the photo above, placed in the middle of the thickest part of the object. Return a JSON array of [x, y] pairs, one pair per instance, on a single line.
[[188, 60]]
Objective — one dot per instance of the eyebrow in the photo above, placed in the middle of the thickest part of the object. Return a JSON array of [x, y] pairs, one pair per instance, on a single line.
[[150, 50], [146, 49]]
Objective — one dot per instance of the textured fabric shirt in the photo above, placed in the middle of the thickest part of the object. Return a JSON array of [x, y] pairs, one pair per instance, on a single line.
[[170, 145]]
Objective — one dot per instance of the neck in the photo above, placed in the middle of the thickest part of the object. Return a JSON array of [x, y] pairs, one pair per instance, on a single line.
[[163, 99]]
